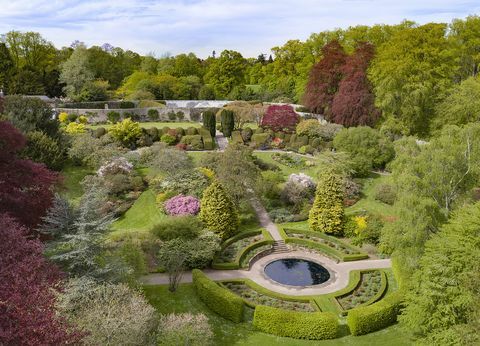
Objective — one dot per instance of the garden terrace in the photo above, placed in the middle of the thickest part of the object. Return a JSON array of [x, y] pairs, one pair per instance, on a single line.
[[327, 245], [371, 288]]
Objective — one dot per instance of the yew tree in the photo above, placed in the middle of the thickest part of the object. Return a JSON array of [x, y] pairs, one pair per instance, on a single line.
[[324, 79], [27, 291], [25, 187], [353, 104]]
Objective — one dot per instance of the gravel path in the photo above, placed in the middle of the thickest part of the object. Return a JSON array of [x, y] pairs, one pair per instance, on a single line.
[[221, 141]]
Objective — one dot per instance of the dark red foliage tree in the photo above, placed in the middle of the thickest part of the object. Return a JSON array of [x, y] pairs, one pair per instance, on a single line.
[[280, 118], [25, 187], [353, 105], [27, 297], [324, 79]]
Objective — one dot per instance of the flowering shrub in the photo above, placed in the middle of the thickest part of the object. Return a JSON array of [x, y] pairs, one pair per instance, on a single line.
[[302, 179], [361, 222], [75, 128], [118, 165], [280, 118], [182, 205], [276, 142], [63, 117]]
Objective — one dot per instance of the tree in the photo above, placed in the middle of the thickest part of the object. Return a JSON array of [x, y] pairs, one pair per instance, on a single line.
[[226, 72], [172, 257], [218, 212], [76, 72], [227, 119], [442, 304], [110, 314], [30, 114], [324, 79], [461, 105], [210, 122], [28, 287], [25, 186], [327, 214], [410, 73], [465, 34], [7, 67], [280, 118], [353, 104], [367, 147]]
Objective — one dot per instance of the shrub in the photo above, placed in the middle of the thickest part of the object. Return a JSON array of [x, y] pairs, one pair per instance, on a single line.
[[113, 116], [247, 134], [280, 118], [294, 324], [82, 119], [75, 128], [192, 131], [168, 139], [281, 215], [209, 122], [99, 132], [72, 117], [193, 142], [168, 160], [63, 117], [127, 105], [126, 132], [218, 211], [306, 149], [261, 139], [184, 329], [153, 114], [327, 214], [44, 149], [363, 320], [237, 137], [218, 299], [368, 148], [182, 205], [180, 131], [310, 128], [153, 133], [385, 193], [171, 116], [186, 227]]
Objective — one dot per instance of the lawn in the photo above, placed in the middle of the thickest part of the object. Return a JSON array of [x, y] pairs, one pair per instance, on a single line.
[[141, 216], [368, 201], [229, 333], [72, 176]]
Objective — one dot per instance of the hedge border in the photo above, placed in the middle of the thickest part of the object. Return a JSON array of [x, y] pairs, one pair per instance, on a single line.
[[294, 324], [267, 239], [217, 298]]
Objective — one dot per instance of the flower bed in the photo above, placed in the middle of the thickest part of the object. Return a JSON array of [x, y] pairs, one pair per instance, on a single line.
[[230, 252], [289, 160], [370, 285], [257, 298], [336, 246]]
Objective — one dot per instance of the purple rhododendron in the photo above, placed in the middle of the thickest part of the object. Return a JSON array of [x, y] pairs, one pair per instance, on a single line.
[[182, 205]]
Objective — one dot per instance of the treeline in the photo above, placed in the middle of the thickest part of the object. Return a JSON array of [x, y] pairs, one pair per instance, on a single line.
[[407, 76]]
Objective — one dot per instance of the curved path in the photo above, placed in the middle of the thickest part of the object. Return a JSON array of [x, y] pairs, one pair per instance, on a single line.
[[339, 274]]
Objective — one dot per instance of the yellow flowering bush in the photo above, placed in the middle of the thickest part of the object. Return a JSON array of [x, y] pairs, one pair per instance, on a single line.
[[361, 222], [63, 117], [75, 128], [207, 172]]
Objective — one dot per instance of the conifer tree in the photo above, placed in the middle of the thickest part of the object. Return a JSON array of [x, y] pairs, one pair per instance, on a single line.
[[327, 213], [209, 122], [218, 212], [227, 118]]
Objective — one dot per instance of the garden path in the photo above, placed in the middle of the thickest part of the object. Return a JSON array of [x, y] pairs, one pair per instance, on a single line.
[[263, 217], [222, 142], [339, 274]]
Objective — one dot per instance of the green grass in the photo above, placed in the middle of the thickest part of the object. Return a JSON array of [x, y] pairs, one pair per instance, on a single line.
[[147, 125], [286, 171], [229, 333], [72, 176], [368, 202], [142, 216]]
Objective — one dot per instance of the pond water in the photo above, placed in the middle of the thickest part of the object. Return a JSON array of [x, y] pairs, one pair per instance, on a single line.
[[296, 272]]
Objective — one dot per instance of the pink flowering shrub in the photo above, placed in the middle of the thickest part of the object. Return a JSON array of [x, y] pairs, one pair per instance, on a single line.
[[182, 205]]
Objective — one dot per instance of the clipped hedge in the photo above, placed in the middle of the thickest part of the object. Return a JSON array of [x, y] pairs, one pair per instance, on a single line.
[[299, 325], [367, 319], [194, 142], [218, 299], [208, 143]]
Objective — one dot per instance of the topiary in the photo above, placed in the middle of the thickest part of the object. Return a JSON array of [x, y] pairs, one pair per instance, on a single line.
[[153, 133], [209, 122], [82, 119], [153, 114], [218, 212], [227, 119], [247, 134], [99, 132], [327, 213], [191, 131]]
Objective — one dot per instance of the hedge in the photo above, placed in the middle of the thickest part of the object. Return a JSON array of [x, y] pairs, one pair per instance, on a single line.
[[218, 299], [260, 139], [237, 137], [299, 325], [367, 319], [207, 138], [194, 142]]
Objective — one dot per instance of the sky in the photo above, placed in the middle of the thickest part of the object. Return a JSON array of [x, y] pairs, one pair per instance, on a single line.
[[251, 27]]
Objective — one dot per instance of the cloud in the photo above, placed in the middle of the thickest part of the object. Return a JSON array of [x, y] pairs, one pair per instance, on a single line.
[[249, 26]]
